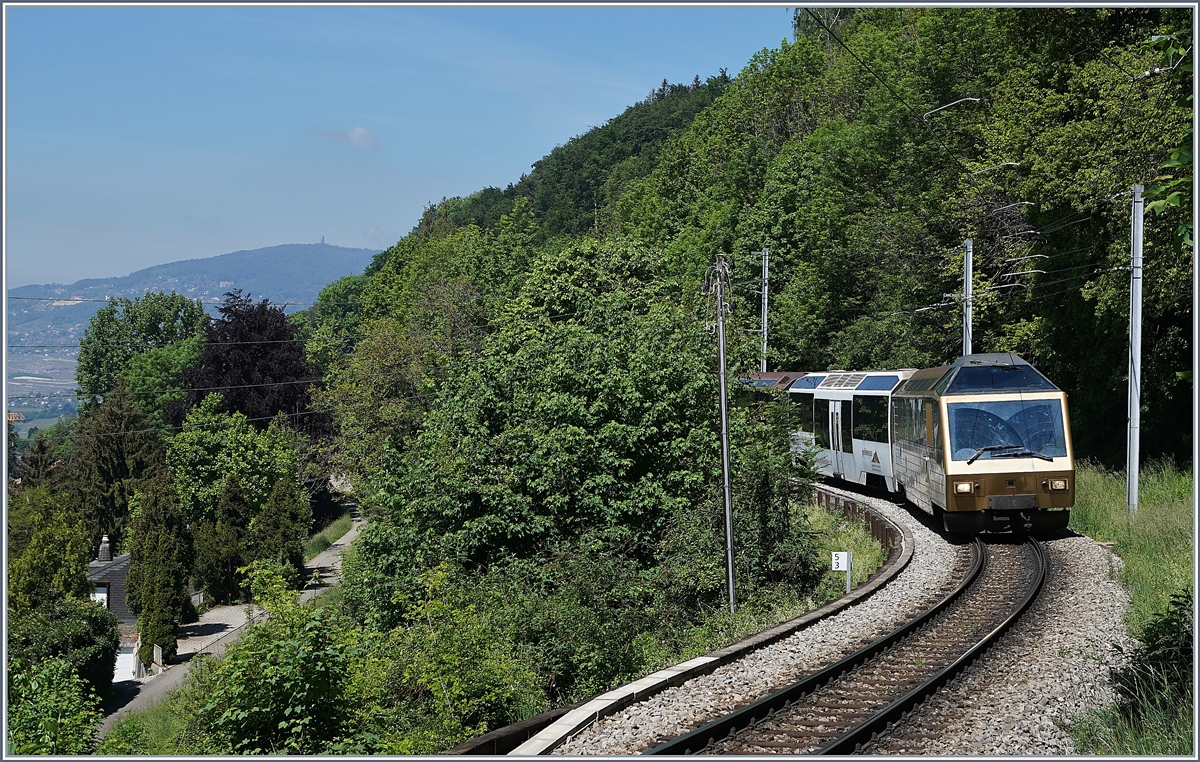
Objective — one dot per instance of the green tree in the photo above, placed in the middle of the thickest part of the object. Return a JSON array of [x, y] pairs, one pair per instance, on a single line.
[[214, 445], [116, 449], [161, 556], [124, 328], [280, 529], [221, 545], [569, 435], [155, 377], [51, 710], [48, 550], [1172, 191]]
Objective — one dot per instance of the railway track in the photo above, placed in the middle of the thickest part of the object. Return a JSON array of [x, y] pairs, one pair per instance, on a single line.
[[843, 706]]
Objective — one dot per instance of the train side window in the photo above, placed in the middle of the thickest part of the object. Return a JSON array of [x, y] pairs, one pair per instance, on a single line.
[[821, 423], [847, 428], [929, 423], [870, 418], [804, 409]]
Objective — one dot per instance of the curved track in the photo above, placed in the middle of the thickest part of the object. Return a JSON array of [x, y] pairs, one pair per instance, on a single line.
[[837, 709]]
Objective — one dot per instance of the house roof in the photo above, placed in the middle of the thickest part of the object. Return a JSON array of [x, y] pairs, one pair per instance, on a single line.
[[98, 570]]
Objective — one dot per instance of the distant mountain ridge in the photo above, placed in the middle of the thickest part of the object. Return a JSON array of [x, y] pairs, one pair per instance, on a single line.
[[289, 274]]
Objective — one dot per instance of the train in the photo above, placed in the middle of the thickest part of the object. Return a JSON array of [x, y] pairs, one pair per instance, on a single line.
[[982, 444]]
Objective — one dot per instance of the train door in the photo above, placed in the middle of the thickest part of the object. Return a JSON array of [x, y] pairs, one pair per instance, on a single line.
[[841, 440]]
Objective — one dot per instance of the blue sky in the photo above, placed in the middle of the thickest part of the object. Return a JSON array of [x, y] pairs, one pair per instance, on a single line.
[[137, 136]]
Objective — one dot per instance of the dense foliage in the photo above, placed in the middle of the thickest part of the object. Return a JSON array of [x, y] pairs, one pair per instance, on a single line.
[[525, 395], [48, 550], [50, 709], [251, 356]]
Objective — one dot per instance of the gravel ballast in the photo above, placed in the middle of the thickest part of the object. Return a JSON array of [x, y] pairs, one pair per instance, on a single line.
[[936, 565], [1051, 665]]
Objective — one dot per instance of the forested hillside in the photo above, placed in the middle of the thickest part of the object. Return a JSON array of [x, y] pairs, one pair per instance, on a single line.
[[523, 392]]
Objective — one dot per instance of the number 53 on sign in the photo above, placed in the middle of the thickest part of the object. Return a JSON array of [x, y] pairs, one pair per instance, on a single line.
[[841, 561]]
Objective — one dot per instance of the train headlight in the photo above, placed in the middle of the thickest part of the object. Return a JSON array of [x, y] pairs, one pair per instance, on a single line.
[[1058, 485], [965, 488]]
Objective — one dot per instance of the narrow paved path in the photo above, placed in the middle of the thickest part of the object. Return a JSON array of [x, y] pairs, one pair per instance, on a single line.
[[216, 629]]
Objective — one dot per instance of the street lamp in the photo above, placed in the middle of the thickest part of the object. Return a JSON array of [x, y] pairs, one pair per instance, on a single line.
[[925, 117], [1010, 206], [997, 166]]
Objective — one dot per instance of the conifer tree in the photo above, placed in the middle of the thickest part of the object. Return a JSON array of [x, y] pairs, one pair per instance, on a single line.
[[161, 547], [116, 448], [221, 545], [279, 531]]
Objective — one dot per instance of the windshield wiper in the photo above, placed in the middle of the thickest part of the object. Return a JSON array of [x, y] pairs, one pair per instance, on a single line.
[[982, 450], [1023, 454]]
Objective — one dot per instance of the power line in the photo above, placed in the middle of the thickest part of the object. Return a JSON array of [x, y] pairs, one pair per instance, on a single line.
[[895, 95]]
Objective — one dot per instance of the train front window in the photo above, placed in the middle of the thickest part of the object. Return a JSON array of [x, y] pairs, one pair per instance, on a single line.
[[998, 378], [1008, 429]]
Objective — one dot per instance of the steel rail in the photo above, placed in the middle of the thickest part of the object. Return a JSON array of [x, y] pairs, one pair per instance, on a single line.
[[866, 731], [699, 738]]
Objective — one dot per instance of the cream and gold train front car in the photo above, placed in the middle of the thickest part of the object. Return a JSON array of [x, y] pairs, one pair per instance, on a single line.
[[985, 444]]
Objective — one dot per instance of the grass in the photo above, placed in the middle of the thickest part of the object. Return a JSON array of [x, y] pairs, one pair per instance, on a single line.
[[1161, 726], [1156, 546], [327, 536], [833, 532], [166, 728], [147, 732]]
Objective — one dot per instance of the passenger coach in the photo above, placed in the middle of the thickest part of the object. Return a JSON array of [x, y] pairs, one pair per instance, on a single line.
[[844, 418]]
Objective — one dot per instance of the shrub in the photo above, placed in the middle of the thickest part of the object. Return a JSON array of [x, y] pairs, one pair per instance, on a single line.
[[1163, 660], [280, 689], [51, 710], [445, 676], [85, 634]]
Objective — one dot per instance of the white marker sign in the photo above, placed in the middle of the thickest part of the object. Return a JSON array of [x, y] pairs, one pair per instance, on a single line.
[[841, 562]]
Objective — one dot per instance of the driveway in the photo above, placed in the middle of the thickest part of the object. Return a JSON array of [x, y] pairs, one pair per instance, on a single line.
[[212, 634]]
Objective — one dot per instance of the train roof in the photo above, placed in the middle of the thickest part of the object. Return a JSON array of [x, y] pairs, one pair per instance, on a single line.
[[771, 380], [858, 380], [993, 372]]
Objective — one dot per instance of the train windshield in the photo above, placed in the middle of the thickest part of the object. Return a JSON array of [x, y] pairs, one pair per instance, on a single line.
[[1008, 429]]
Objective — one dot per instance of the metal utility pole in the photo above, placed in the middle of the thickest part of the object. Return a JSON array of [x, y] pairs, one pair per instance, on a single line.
[[1135, 354], [967, 275], [766, 253], [719, 283]]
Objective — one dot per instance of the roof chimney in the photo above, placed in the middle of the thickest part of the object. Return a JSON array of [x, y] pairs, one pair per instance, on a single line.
[[105, 553]]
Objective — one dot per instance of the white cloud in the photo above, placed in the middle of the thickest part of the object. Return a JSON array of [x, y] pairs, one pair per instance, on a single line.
[[379, 236], [358, 137]]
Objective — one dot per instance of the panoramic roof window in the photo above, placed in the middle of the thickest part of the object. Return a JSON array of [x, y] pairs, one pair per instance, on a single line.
[[879, 383], [808, 382], [999, 378]]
